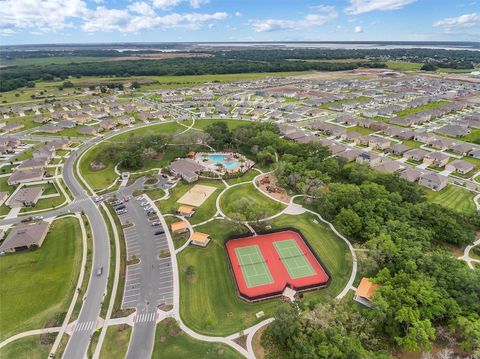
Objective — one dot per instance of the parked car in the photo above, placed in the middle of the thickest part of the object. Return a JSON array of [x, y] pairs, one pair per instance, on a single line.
[[99, 271], [144, 203], [37, 218], [150, 212], [121, 211], [98, 199], [161, 231], [28, 219], [139, 198], [122, 206], [156, 223], [117, 202], [148, 208]]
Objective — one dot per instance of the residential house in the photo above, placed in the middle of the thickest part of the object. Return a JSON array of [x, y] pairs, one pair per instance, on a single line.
[[379, 143], [399, 149], [437, 159], [434, 181], [25, 236], [350, 154], [26, 176], [25, 197], [88, 130], [46, 151], [389, 166], [460, 166], [454, 130], [369, 158], [411, 174], [416, 154]]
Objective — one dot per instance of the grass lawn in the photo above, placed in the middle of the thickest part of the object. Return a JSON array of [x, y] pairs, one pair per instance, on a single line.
[[473, 136], [332, 251], [116, 342], [154, 194], [46, 204], [26, 348], [232, 124], [103, 178], [254, 196], [250, 175], [172, 343], [429, 106], [209, 303], [25, 155], [37, 285], [412, 143], [204, 212], [360, 130], [453, 197]]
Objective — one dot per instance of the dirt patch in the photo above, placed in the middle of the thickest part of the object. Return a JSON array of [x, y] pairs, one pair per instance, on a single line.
[[258, 349], [268, 184], [242, 341], [133, 260], [165, 307], [97, 165]]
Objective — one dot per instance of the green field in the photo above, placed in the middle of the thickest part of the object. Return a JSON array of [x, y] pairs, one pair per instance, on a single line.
[[403, 66], [37, 285], [429, 106], [232, 124], [209, 303], [204, 212], [248, 176], [473, 136], [256, 199], [360, 130], [103, 178], [453, 197], [26, 348], [172, 343], [116, 342]]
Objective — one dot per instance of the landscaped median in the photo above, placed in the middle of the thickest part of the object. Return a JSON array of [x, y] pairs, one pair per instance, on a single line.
[[37, 285]]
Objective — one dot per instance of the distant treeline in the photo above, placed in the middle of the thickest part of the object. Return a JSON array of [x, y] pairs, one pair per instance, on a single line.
[[12, 78]]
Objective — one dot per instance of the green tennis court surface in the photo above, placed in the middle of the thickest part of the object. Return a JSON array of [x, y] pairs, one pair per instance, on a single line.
[[253, 266], [293, 258]]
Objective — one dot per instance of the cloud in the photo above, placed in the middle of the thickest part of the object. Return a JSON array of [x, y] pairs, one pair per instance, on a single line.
[[238, 13], [165, 4], [142, 8], [323, 15], [467, 20], [358, 29], [362, 6], [44, 15], [7, 32], [108, 20], [170, 4]]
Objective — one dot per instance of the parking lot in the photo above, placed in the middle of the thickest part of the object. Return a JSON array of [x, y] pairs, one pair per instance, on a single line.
[[149, 281]]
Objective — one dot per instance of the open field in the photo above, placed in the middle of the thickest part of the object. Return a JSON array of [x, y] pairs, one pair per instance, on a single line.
[[116, 342], [209, 303], [204, 212], [232, 124], [38, 284], [26, 348], [473, 136], [249, 193], [172, 343], [453, 197]]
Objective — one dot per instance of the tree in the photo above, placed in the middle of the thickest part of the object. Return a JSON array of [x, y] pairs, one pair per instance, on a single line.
[[429, 67], [285, 324]]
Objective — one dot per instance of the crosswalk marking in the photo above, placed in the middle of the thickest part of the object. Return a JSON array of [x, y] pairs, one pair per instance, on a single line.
[[145, 317], [81, 327]]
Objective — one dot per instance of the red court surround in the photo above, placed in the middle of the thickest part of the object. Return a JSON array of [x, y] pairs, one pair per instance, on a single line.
[[280, 275]]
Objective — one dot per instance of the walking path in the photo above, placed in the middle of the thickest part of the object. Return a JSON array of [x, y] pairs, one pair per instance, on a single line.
[[466, 253], [29, 333]]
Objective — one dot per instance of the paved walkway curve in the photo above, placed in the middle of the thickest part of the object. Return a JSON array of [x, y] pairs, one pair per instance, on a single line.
[[28, 334], [466, 252]]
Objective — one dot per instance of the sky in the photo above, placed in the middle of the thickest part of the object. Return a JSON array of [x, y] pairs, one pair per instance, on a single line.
[[93, 21]]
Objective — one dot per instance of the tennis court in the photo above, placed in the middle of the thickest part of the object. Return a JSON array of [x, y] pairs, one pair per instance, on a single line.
[[253, 266], [293, 258]]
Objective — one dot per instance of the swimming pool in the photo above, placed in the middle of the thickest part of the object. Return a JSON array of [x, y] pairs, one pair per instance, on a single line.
[[229, 165]]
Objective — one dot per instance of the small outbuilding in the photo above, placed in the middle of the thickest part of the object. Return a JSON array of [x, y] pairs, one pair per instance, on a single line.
[[200, 239], [365, 291]]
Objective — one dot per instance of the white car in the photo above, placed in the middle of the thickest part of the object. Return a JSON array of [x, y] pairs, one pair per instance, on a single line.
[[98, 199], [139, 198]]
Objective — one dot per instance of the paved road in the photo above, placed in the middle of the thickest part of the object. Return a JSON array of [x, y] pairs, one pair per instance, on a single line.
[[149, 283], [89, 314]]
